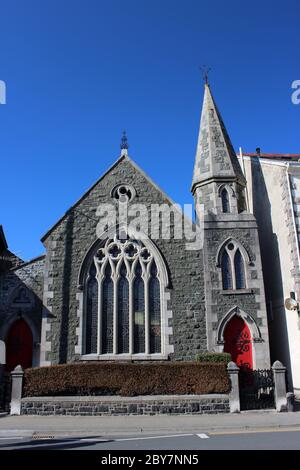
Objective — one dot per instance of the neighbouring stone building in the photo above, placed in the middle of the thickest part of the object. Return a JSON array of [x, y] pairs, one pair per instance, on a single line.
[[273, 194], [116, 294]]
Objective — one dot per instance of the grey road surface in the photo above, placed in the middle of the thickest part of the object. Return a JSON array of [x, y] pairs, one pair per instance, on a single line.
[[262, 440]]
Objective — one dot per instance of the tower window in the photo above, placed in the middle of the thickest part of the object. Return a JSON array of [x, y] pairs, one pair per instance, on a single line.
[[233, 267]]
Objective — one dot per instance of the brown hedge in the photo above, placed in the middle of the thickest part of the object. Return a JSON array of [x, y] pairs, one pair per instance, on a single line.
[[126, 379]]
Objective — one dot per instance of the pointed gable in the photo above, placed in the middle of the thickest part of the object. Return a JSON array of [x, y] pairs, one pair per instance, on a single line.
[[215, 155], [122, 167]]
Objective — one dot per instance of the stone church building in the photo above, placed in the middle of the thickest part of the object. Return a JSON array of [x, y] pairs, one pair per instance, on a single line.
[[112, 294]]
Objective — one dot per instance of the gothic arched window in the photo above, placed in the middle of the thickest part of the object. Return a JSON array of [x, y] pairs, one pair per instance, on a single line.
[[154, 311], [233, 267], [91, 311], [225, 200], [123, 301], [123, 312], [139, 311], [107, 312]]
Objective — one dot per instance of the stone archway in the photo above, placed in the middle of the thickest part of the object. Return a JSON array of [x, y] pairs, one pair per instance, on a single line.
[[19, 345], [238, 342]]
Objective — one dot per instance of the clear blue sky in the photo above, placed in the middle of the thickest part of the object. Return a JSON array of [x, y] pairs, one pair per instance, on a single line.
[[78, 72]]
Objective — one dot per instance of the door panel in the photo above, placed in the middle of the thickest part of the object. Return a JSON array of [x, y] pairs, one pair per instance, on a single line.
[[238, 342], [19, 346]]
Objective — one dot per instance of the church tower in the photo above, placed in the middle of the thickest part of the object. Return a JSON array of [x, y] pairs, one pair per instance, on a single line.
[[218, 181], [235, 304]]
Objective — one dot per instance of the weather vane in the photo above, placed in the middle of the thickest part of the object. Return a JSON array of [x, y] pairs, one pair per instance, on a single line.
[[124, 141], [205, 71]]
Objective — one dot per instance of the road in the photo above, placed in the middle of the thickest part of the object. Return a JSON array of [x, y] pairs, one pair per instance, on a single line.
[[288, 439]]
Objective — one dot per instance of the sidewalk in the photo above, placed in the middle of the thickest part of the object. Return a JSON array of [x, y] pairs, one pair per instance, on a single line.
[[154, 425]]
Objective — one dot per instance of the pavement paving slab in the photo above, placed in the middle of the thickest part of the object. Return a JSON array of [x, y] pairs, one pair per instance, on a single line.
[[134, 425]]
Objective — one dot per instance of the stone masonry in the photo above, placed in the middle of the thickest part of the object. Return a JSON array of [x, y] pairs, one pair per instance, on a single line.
[[195, 307], [69, 241], [105, 406], [27, 277]]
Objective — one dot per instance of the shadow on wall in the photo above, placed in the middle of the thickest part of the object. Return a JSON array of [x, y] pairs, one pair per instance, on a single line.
[[271, 267]]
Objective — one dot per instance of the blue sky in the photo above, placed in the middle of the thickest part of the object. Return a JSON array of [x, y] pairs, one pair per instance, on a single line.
[[78, 72]]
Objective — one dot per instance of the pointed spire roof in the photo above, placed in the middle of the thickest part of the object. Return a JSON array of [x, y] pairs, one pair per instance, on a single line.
[[215, 156], [3, 243]]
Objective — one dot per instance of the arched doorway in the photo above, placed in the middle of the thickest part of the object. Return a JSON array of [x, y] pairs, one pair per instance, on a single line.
[[19, 345], [238, 342]]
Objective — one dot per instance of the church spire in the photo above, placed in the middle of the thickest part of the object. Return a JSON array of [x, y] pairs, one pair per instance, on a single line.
[[216, 159], [124, 144]]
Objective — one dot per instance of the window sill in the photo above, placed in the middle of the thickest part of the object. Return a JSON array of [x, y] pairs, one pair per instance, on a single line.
[[124, 357], [237, 291]]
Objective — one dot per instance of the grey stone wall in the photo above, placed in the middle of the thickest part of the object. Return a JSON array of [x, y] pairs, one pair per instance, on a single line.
[[67, 245], [107, 406], [242, 228]]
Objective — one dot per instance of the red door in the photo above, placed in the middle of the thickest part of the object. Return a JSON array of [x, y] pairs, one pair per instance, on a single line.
[[19, 345], [238, 343]]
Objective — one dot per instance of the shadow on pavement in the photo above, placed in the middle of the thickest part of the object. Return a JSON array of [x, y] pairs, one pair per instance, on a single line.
[[52, 444]]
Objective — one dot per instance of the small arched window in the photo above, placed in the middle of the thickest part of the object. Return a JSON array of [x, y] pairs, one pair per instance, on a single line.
[[225, 200], [226, 271], [239, 270], [123, 312], [233, 267]]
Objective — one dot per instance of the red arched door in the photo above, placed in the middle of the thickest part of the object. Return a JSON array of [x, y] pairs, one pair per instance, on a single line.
[[19, 345], [238, 343]]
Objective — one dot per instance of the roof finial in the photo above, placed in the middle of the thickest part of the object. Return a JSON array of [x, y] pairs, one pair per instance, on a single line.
[[124, 142], [205, 70]]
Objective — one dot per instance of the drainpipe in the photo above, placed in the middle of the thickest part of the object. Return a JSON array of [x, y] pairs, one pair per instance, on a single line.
[[243, 170]]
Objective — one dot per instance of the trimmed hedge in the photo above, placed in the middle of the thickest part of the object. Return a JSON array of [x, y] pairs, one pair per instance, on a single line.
[[177, 378], [213, 357]]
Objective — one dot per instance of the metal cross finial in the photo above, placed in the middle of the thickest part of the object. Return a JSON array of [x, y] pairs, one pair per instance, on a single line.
[[124, 141], [205, 71]]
